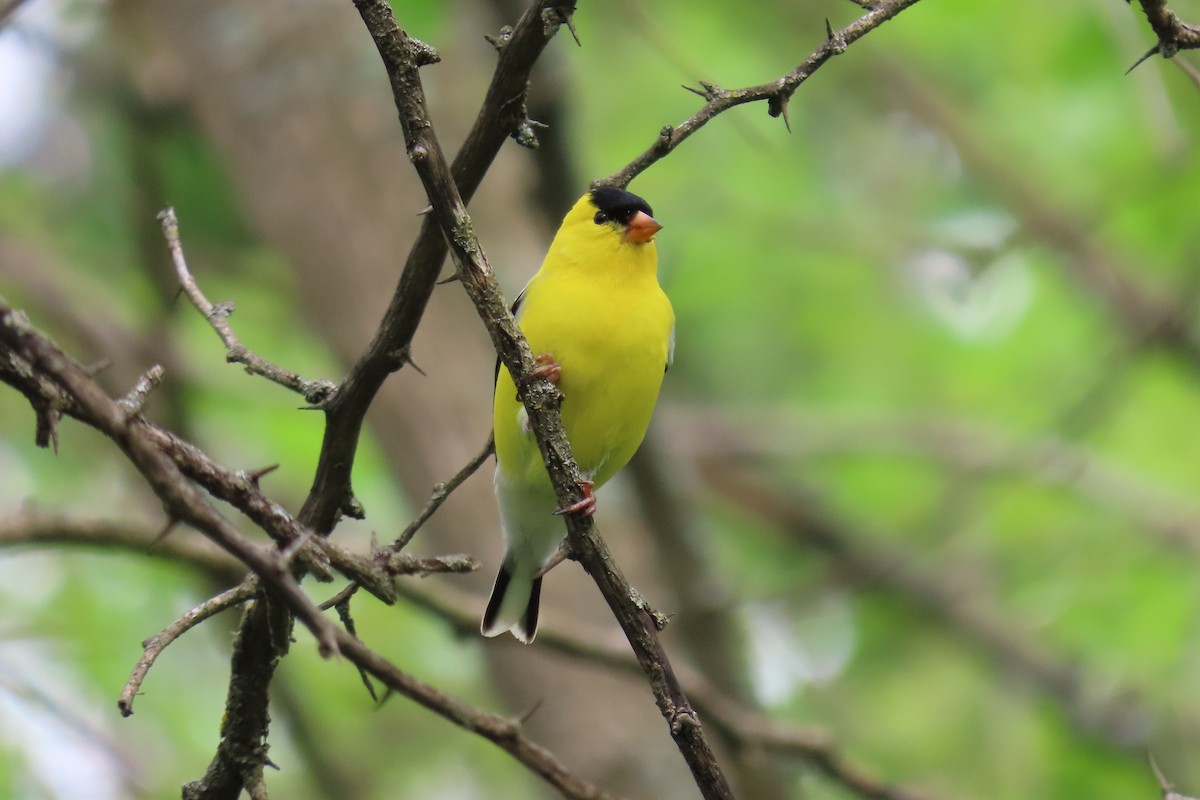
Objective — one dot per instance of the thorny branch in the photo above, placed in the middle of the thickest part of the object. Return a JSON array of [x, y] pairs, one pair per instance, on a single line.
[[500, 115], [28, 359], [777, 93], [402, 55], [314, 392], [153, 646], [35, 366], [246, 719], [1173, 35], [737, 725], [741, 727], [331, 494]]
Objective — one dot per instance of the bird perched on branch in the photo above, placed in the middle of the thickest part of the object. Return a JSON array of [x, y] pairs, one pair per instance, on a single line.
[[604, 332]]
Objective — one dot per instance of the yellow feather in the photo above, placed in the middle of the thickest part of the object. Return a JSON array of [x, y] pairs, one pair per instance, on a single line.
[[596, 307]]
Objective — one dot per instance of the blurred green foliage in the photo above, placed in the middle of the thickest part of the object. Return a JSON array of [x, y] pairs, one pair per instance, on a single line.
[[860, 268]]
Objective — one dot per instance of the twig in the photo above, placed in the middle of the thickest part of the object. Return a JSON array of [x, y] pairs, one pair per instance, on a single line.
[[740, 726], [159, 642], [1172, 34], [1168, 791], [316, 393], [440, 492], [136, 399], [31, 529], [180, 498], [499, 116], [502, 732], [402, 57], [265, 633], [777, 93], [404, 564]]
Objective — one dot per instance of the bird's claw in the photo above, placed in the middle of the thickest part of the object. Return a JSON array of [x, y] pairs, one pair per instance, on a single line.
[[547, 368], [586, 506]]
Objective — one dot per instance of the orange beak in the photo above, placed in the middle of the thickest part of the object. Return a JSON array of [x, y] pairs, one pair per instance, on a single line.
[[641, 228]]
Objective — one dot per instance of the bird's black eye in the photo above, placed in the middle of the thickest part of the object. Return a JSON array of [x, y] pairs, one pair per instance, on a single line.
[[601, 218]]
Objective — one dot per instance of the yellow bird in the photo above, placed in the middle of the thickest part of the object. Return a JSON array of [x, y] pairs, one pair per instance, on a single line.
[[604, 331]]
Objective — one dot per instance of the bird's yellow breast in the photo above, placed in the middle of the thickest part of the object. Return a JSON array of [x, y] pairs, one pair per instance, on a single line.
[[602, 315]]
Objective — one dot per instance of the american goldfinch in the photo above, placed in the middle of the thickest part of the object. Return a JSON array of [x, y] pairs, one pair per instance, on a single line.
[[604, 331]]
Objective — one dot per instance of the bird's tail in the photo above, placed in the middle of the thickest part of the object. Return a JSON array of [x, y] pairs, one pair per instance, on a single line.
[[514, 604]]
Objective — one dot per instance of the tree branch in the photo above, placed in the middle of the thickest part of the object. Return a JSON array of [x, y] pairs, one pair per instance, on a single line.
[[27, 357], [506, 734], [1172, 34], [153, 646], [314, 392], [742, 727], [402, 55], [33, 529], [777, 93], [500, 115]]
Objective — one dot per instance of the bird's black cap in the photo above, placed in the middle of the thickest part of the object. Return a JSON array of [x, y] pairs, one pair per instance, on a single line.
[[619, 204]]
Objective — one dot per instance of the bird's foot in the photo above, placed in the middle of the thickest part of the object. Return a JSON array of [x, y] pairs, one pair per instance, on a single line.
[[547, 368], [586, 506]]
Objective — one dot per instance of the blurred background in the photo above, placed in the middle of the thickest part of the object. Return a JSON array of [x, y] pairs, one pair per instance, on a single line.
[[924, 474]]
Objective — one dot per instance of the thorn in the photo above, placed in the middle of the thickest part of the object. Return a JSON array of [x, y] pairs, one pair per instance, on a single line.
[[352, 508], [405, 356], [46, 432], [258, 473], [426, 211], [501, 39], [388, 695], [695, 91], [1162, 781], [1152, 51], [95, 369], [170, 526], [777, 106], [451, 279], [570, 20], [269, 763], [423, 53], [366, 679], [835, 40], [523, 718]]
